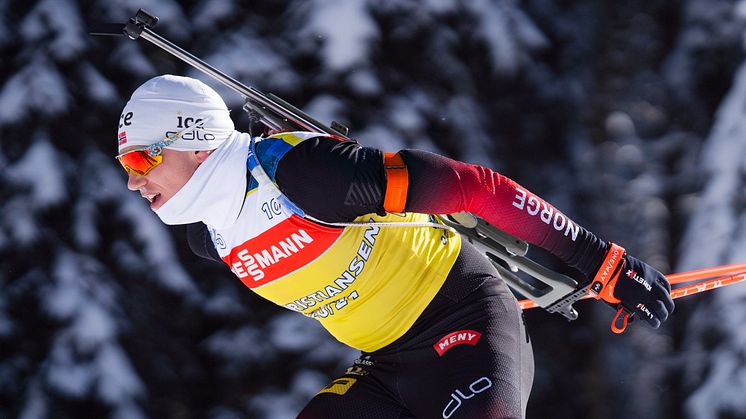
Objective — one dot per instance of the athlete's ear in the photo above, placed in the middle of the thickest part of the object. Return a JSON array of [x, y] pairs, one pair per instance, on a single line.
[[202, 155]]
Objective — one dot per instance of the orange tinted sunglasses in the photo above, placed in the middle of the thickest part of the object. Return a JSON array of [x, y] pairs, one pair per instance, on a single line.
[[141, 161]]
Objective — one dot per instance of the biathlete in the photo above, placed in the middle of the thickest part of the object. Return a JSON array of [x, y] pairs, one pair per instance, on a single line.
[[348, 235]]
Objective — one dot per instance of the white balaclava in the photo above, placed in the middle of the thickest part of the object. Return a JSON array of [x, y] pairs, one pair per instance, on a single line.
[[167, 104]]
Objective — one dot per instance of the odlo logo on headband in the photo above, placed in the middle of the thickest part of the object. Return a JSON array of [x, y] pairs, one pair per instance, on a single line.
[[198, 133]]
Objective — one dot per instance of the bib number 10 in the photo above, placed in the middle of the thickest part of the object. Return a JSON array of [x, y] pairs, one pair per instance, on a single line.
[[271, 208]]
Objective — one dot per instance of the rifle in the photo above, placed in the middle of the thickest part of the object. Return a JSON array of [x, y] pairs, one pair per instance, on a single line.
[[273, 112], [554, 292]]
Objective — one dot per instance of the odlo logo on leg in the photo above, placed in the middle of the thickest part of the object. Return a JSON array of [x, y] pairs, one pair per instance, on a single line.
[[459, 397]]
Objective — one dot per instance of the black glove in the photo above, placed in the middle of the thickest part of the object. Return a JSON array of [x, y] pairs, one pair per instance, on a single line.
[[635, 286], [644, 291]]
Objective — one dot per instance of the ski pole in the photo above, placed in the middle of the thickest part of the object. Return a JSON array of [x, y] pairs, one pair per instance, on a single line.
[[724, 275], [708, 285], [705, 273]]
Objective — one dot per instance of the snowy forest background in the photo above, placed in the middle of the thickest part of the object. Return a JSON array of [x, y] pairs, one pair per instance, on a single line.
[[629, 116]]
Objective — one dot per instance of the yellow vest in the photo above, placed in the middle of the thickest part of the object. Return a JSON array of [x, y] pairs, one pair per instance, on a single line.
[[366, 283]]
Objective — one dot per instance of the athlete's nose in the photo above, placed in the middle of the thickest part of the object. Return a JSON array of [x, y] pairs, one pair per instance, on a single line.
[[134, 182]]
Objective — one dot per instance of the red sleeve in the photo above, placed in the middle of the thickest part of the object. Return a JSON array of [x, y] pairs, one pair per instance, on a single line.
[[439, 185]]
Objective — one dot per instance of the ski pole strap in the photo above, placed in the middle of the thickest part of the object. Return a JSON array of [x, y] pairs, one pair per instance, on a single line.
[[397, 182], [602, 286], [619, 324]]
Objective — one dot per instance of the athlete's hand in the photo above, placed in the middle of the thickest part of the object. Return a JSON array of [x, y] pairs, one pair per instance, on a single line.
[[636, 286], [644, 291]]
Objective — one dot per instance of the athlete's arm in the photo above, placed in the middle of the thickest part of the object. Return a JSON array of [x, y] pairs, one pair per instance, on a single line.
[[442, 186], [439, 185], [339, 180]]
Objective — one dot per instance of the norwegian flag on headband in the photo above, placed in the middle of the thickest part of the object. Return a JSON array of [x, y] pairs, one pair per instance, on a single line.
[[122, 138]]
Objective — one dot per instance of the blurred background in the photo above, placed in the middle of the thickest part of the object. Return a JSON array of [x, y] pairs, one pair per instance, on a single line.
[[628, 116]]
